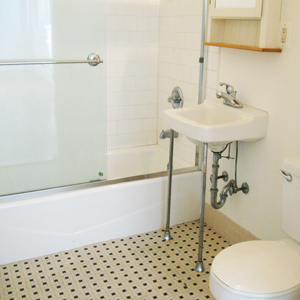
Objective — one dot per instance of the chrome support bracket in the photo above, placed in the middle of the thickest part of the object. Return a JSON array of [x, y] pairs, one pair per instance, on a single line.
[[95, 59]]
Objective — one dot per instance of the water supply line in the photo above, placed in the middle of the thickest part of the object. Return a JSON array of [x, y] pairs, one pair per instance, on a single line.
[[245, 187], [167, 134], [231, 187]]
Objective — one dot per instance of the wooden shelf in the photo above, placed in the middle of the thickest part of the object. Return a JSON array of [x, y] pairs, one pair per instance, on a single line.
[[243, 47]]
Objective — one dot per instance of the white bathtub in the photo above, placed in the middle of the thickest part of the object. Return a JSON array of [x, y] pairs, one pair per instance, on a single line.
[[48, 224], [122, 163]]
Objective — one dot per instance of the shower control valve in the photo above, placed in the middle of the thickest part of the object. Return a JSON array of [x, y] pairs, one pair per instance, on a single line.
[[176, 98]]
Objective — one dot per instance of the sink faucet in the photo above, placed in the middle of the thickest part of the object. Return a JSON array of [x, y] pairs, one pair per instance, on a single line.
[[230, 96]]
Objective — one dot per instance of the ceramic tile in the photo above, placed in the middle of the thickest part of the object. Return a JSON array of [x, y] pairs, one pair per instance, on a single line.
[[135, 267]]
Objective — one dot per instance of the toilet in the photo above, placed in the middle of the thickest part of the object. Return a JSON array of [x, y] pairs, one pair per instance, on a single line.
[[264, 269]]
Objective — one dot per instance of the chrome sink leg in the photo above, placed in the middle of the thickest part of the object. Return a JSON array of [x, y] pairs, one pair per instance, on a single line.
[[167, 235], [199, 265]]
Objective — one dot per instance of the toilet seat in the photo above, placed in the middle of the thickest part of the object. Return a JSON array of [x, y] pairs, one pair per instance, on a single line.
[[257, 270], [223, 292]]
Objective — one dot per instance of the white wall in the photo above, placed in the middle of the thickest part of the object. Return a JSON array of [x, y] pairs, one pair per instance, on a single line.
[[269, 82]]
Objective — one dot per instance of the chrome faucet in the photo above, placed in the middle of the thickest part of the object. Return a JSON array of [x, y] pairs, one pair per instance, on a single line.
[[230, 96]]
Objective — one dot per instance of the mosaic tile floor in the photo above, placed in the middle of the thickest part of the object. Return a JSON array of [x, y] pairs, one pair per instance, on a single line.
[[136, 267]]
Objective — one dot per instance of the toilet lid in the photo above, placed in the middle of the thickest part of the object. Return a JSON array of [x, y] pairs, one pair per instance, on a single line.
[[258, 267]]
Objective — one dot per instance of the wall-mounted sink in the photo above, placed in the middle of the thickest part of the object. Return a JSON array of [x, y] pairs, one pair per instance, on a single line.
[[214, 123]]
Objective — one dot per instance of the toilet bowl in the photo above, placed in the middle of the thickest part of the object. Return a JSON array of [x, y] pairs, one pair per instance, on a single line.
[[264, 269], [257, 270]]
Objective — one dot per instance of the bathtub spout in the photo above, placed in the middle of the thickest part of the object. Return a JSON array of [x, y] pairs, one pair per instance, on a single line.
[[166, 134]]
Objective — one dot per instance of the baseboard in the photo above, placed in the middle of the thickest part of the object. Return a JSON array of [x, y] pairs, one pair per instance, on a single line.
[[231, 231]]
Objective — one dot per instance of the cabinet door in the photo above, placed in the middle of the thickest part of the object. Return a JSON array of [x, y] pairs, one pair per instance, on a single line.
[[235, 9]]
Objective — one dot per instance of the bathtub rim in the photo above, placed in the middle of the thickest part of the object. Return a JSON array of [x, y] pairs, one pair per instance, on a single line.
[[81, 186]]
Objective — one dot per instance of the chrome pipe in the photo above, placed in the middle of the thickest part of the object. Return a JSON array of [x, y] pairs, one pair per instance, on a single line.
[[199, 264], [214, 187], [202, 51], [167, 235], [167, 133], [93, 60], [198, 155]]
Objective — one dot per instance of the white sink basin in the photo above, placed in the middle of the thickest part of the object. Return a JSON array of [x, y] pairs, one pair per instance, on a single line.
[[217, 124]]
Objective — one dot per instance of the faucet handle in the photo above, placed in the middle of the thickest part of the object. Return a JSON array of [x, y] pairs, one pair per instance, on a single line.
[[229, 88], [177, 97]]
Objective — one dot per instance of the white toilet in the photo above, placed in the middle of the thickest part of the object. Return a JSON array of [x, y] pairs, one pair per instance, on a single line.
[[264, 269]]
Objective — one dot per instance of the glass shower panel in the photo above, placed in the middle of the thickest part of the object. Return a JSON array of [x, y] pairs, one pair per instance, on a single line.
[[53, 117]]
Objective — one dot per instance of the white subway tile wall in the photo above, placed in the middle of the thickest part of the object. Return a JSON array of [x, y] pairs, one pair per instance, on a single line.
[[132, 60], [152, 47], [179, 52]]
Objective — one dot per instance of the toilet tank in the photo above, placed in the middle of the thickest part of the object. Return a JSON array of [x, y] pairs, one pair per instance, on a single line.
[[290, 216]]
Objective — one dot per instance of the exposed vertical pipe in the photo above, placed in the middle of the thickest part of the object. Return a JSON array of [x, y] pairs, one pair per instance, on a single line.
[[199, 265], [214, 181], [202, 159], [167, 235], [202, 51], [201, 74], [236, 161]]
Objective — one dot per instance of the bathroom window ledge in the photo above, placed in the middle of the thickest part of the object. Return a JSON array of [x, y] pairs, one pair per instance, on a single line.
[[243, 47]]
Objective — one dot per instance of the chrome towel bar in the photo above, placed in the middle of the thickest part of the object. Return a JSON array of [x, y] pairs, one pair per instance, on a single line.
[[93, 60]]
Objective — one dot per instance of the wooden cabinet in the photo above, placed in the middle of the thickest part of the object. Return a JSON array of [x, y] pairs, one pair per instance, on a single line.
[[235, 8], [254, 27]]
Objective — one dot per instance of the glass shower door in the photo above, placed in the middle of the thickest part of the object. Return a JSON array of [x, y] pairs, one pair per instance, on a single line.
[[53, 116]]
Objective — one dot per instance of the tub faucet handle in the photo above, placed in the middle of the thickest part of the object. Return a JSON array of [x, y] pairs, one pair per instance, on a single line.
[[176, 98]]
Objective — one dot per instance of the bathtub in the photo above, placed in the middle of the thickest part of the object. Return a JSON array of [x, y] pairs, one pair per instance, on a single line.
[[66, 220], [122, 163]]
